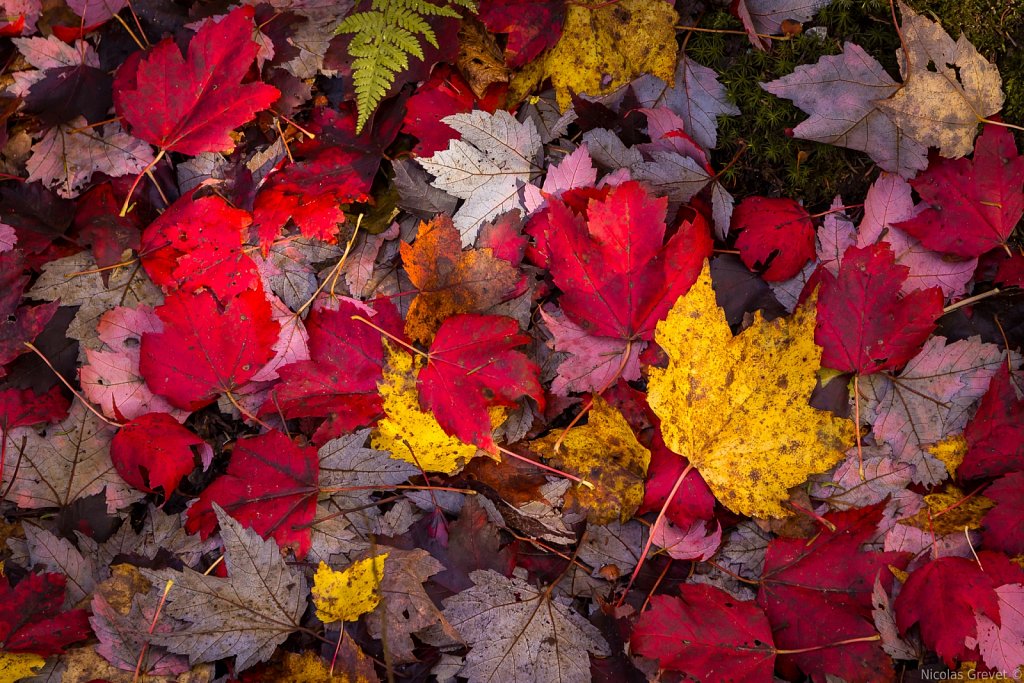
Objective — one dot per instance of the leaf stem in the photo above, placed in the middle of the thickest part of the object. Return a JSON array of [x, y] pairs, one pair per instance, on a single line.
[[81, 398], [970, 300], [570, 477], [246, 413], [848, 641], [152, 627], [654, 530], [334, 271], [138, 178], [392, 337]]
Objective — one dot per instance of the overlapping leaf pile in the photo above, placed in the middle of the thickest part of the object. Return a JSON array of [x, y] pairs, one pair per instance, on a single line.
[[365, 357]]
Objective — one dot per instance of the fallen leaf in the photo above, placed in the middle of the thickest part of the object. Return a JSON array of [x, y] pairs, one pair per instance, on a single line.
[[451, 281], [750, 444], [519, 633], [32, 620], [593, 362], [995, 435], [207, 347], [1004, 524], [271, 485], [971, 205], [776, 238], [532, 26], [408, 432], [948, 87], [605, 453], [604, 47], [246, 616], [172, 101], [1001, 644], [841, 94], [473, 367], [864, 325], [707, 634], [154, 450], [496, 154], [346, 595]]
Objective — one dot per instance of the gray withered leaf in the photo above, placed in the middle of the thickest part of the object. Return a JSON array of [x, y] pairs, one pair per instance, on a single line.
[[518, 632], [246, 615]]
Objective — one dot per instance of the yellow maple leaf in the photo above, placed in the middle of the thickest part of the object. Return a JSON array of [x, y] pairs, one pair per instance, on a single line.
[[309, 667], [604, 48], [348, 594], [950, 511], [737, 406], [17, 665], [604, 452], [950, 451], [407, 432]]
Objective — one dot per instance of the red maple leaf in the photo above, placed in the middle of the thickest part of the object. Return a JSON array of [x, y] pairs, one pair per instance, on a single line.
[[208, 347], [617, 275], [995, 436], [942, 598], [31, 619], [474, 365], [154, 450], [693, 501], [532, 26], [1004, 524], [271, 485], [99, 226], [339, 381], [446, 93], [191, 103], [22, 407], [864, 326], [334, 168], [974, 204], [197, 243], [707, 634], [817, 593], [777, 236]]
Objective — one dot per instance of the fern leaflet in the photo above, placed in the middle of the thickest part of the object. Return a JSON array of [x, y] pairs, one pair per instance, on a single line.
[[383, 37]]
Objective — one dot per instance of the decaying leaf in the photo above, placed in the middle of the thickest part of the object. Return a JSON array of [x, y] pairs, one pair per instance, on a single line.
[[737, 408], [247, 615], [948, 87], [603, 47], [604, 452], [519, 633]]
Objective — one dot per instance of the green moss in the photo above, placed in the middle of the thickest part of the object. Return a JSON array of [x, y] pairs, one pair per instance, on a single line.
[[772, 162]]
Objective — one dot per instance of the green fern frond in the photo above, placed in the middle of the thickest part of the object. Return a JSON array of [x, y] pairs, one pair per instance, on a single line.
[[383, 37]]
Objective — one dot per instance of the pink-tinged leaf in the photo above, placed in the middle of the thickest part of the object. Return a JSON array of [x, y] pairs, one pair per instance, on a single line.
[[707, 634], [31, 619], [8, 238], [574, 170], [995, 435], [973, 204], [339, 382], [152, 451], [271, 485], [864, 326], [292, 345], [20, 326], [123, 637], [942, 598], [94, 12], [766, 16], [207, 347], [929, 400], [111, 378], [197, 243], [777, 236], [360, 265], [593, 362], [888, 202], [190, 104], [839, 92], [1002, 644], [885, 622], [1004, 524], [693, 543], [473, 366]]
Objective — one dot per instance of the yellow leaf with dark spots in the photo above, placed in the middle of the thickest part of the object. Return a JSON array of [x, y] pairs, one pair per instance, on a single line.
[[737, 407], [348, 594]]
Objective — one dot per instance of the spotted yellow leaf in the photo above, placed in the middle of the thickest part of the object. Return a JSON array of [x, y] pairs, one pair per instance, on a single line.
[[348, 594], [605, 47], [737, 407], [409, 433], [605, 453], [17, 665]]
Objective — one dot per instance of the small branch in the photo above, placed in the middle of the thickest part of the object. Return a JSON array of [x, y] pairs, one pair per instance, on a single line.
[[570, 477], [970, 300], [81, 398]]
